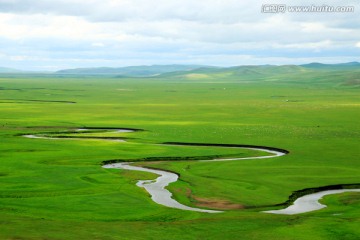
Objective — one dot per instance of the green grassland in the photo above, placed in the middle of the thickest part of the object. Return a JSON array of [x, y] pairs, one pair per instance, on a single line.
[[56, 189]]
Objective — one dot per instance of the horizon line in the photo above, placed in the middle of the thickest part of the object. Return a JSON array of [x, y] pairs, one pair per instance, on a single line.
[[17, 70]]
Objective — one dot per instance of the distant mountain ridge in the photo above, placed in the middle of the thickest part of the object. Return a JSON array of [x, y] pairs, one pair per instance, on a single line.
[[131, 71], [338, 66], [243, 72], [9, 70], [198, 70], [194, 71]]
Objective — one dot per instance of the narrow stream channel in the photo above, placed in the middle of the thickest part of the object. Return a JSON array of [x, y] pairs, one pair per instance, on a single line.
[[157, 188]]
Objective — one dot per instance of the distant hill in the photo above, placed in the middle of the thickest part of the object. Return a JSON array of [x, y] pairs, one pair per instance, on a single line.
[[236, 73], [9, 70], [265, 69], [203, 72], [132, 71], [339, 66]]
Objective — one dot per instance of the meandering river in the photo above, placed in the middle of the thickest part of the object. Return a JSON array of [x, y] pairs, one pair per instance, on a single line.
[[157, 188]]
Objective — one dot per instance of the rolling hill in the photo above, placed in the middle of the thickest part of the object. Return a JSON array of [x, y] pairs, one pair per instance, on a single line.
[[9, 70], [339, 66], [131, 71]]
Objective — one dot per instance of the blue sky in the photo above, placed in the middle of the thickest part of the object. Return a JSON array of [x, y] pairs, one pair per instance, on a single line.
[[47, 35]]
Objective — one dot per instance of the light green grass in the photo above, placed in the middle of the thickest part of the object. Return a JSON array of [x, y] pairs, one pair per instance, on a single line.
[[56, 189]]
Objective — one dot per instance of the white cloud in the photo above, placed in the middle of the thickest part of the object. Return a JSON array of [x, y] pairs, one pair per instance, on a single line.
[[311, 27], [307, 45], [123, 10], [19, 27], [98, 44], [124, 32]]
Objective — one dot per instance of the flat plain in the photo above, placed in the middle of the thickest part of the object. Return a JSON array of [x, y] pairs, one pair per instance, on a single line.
[[56, 188]]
